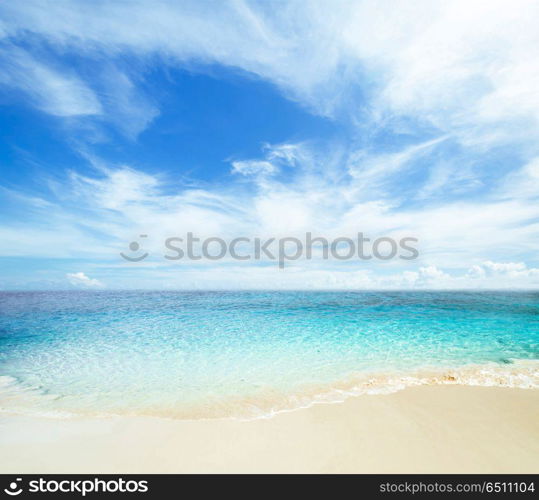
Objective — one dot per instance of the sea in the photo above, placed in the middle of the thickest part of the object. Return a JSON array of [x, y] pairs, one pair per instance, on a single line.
[[253, 354]]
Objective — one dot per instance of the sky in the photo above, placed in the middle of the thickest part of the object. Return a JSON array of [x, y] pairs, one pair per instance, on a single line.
[[268, 119]]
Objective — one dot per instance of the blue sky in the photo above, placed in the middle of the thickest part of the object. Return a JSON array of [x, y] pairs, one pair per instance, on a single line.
[[268, 119]]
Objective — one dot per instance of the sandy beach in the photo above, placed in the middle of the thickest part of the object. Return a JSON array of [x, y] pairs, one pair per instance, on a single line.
[[433, 429]]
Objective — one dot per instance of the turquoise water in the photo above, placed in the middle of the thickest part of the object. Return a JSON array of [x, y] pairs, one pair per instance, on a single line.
[[212, 354]]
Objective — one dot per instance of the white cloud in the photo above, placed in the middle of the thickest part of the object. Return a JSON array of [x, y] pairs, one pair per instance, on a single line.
[[371, 172], [522, 183], [467, 68], [55, 92], [54, 89], [81, 280], [126, 106], [506, 269], [253, 167], [117, 189]]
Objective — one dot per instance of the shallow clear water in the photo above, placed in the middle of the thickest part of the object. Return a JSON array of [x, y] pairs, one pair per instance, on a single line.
[[204, 354]]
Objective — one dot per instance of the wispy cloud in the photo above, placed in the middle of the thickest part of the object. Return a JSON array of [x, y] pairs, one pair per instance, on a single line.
[[127, 107], [109, 96], [60, 93]]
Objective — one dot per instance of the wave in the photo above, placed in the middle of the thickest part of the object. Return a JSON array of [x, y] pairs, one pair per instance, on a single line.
[[519, 374], [16, 398]]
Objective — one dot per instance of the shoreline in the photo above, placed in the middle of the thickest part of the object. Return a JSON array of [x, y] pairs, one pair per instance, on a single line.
[[423, 429], [16, 399]]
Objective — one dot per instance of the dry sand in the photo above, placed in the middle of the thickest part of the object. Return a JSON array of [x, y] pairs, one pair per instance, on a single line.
[[423, 429]]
